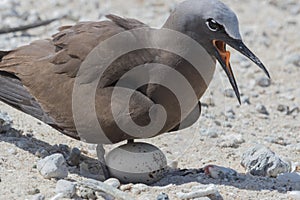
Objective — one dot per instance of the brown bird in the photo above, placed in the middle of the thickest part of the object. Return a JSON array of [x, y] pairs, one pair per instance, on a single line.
[[39, 78]]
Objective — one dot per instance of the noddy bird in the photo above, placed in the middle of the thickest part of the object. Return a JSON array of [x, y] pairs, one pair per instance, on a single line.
[[38, 78]]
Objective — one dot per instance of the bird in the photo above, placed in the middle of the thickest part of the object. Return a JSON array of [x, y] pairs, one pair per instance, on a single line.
[[38, 79]]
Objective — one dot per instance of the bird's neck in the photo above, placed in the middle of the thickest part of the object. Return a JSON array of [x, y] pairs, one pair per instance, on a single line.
[[179, 21], [175, 22]]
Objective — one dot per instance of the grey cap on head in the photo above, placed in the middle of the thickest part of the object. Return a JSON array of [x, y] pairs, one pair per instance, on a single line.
[[207, 9]]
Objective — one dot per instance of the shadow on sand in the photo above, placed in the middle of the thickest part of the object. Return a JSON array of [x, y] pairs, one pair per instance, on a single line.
[[176, 177]]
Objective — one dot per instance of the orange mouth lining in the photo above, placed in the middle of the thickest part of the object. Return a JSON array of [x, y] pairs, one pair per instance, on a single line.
[[221, 47]]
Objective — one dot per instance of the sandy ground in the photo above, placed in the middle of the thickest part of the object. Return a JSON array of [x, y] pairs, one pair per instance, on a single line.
[[269, 28]]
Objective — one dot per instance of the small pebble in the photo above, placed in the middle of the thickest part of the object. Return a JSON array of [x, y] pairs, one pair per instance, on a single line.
[[208, 102], [103, 196], [135, 191], [211, 133], [74, 158], [262, 109], [282, 108], [53, 166], [218, 123], [295, 167], [42, 153], [58, 196], [231, 141], [38, 197], [277, 140], [295, 195], [140, 186], [87, 193], [230, 114], [199, 191], [293, 59], [173, 164], [126, 187], [34, 191], [12, 151], [263, 82], [113, 182], [245, 100], [297, 147], [67, 188], [162, 196], [218, 172], [228, 125], [229, 93]]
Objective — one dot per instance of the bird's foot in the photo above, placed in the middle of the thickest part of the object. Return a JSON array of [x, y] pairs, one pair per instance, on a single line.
[[100, 154]]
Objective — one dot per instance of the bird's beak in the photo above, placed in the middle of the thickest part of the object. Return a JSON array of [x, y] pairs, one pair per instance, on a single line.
[[223, 57]]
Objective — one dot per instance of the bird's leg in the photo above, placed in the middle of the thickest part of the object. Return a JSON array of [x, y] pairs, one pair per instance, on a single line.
[[100, 154], [130, 141]]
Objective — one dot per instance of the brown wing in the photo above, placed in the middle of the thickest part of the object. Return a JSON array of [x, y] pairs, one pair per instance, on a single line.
[[38, 78]]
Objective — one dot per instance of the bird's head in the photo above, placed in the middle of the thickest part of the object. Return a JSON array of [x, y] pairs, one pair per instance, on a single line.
[[214, 25]]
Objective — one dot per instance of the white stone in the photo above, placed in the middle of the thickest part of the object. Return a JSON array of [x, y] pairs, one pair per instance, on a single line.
[[67, 188], [261, 161], [113, 182], [53, 166], [219, 172], [38, 197], [199, 191], [295, 195]]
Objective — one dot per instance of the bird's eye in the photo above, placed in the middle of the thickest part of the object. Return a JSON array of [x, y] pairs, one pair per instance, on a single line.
[[213, 25]]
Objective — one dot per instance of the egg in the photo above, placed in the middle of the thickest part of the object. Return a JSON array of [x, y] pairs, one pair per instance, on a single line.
[[136, 162]]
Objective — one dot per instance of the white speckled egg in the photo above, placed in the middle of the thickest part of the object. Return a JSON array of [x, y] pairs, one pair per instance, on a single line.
[[136, 163]]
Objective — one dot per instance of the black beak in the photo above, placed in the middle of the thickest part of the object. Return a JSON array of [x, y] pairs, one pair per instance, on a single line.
[[223, 57], [243, 49]]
